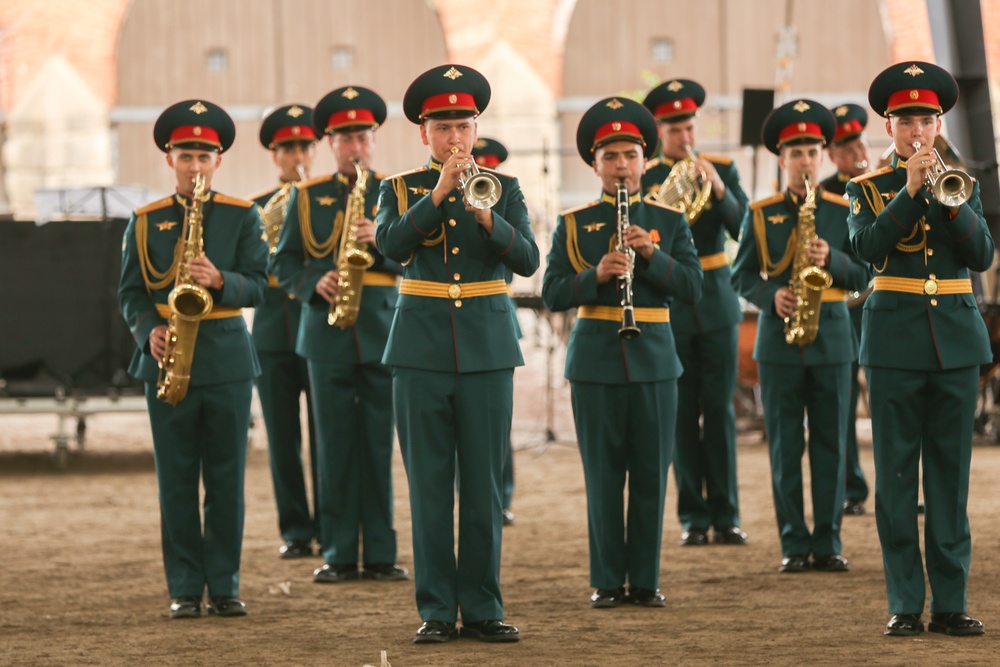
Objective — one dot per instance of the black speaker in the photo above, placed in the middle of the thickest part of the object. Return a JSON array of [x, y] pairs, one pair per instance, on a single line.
[[757, 103]]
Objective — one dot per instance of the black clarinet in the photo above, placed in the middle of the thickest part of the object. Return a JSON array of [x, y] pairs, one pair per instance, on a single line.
[[628, 329]]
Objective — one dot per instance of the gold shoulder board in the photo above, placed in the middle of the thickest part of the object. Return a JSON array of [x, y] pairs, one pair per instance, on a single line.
[[872, 174], [652, 163], [579, 208], [835, 199], [659, 205], [232, 201], [314, 181], [773, 199], [405, 173], [717, 159], [155, 206]]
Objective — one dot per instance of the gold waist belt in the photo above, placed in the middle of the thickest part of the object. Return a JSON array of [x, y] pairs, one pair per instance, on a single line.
[[833, 294], [921, 286], [217, 312], [614, 313], [272, 281], [380, 279], [716, 261], [437, 290]]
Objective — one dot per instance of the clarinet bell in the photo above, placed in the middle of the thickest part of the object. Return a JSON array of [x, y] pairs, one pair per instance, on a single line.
[[628, 329]]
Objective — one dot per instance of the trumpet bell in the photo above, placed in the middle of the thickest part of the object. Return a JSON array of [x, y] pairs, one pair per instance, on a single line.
[[482, 190], [952, 188]]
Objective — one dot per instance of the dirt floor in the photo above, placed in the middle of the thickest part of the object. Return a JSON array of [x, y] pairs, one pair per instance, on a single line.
[[82, 581]]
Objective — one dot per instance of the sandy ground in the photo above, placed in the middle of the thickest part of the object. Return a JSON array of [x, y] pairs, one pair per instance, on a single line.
[[82, 579]]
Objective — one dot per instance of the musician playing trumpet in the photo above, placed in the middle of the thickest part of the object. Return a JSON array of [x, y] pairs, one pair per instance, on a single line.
[[922, 343], [351, 389], [287, 132], [804, 369], [203, 438], [706, 332], [624, 389]]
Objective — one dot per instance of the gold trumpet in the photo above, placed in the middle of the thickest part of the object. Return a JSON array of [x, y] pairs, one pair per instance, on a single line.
[[952, 187], [480, 190]]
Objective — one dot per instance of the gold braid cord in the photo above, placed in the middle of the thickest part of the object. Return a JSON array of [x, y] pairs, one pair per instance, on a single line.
[[160, 279], [760, 233], [874, 199], [573, 245], [312, 247]]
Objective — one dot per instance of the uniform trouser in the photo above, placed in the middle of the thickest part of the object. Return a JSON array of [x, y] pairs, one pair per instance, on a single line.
[[625, 430], [790, 393], [705, 456], [923, 414], [444, 418], [508, 475], [856, 484], [353, 409], [202, 438], [284, 376]]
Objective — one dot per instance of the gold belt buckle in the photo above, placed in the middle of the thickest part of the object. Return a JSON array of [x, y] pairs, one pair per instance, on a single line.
[[454, 291], [930, 287]]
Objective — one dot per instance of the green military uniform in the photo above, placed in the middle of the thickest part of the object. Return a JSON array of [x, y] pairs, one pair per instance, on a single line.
[[706, 334], [352, 390], [796, 380], [624, 392], [204, 437], [851, 121], [284, 375], [453, 349], [490, 153], [922, 343]]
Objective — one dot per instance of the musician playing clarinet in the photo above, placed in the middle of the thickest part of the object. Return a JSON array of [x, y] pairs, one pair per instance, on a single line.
[[621, 268]]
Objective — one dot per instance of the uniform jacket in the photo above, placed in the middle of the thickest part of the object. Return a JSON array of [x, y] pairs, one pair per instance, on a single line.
[[769, 224], [918, 238], [719, 306], [582, 237], [317, 206], [276, 319], [232, 232], [444, 244], [835, 184]]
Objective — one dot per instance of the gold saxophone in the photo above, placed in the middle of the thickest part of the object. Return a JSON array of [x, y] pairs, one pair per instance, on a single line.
[[682, 189], [189, 303], [353, 259], [273, 212], [808, 281]]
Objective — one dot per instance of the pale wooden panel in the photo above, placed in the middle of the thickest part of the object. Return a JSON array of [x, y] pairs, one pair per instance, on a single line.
[[280, 51]]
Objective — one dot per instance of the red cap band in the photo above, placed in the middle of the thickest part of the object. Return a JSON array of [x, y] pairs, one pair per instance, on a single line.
[[913, 97], [847, 128], [801, 130], [617, 130], [488, 161], [448, 102], [194, 134], [293, 133], [676, 108], [349, 117]]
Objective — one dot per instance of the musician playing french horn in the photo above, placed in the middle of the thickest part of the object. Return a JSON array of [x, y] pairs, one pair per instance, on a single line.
[[624, 389], [923, 339], [351, 389], [202, 439], [707, 188], [287, 132], [805, 343]]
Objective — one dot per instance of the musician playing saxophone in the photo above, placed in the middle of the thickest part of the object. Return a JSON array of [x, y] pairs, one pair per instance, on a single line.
[[802, 227], [287, 132], [351, 389], [202, 439], [706, 332], [624, 391]]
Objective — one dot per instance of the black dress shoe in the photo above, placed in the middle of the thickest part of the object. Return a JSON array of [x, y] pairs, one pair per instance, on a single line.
[[508, 517], [730, 535], [605, 598], [384, 572], [226, 605], [334, 574], [955, 624], [794, 564], [854, 507], [904, 625], [694, 538], [830, 563], [645, 597], [296, 549], [490, 631], [186, 607], [435, 632]]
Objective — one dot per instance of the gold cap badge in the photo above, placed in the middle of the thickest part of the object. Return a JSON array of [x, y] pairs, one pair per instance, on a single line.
[[452, 74], [295, 111], [350, 93], [614, 104], [199, 108], [913, 70], [801, 106]]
